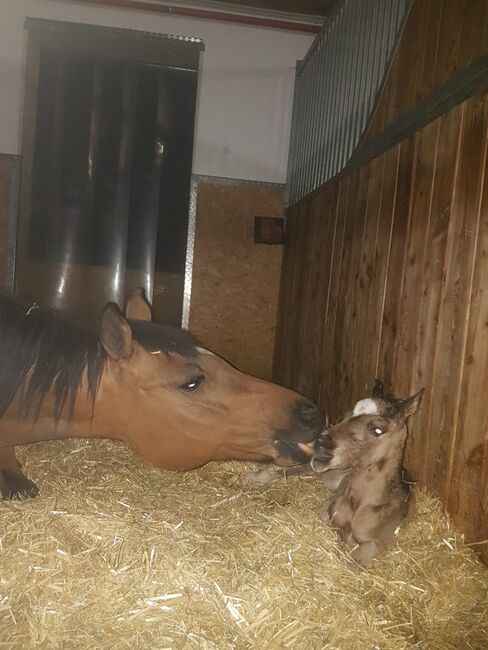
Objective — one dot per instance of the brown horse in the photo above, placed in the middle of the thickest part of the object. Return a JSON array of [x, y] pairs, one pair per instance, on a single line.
[[360, 460], [177, 405]]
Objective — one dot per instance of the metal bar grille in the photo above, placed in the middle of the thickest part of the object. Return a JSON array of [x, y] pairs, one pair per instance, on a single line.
[[335, 89]]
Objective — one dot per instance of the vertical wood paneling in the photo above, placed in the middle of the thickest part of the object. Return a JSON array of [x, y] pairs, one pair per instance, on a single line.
[[401, 214], [406, 341], [311, 225], [325, 389], [338, 378], [407, 299], [439, 39], [363, 340], [433, 270], [456, 286], [467, 480], [320, 280]]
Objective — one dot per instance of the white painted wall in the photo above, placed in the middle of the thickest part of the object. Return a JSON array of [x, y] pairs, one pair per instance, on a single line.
[[246, 84]]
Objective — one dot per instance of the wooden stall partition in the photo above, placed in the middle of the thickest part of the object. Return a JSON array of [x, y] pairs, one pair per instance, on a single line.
[[235, 282], [439, 39], [403, 296]]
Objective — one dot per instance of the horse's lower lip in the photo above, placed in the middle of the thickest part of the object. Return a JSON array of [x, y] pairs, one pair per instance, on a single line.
[[307, 447]]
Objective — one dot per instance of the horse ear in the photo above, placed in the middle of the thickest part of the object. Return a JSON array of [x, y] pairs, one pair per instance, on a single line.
[[411, 405], [138, 307], [115, 333]]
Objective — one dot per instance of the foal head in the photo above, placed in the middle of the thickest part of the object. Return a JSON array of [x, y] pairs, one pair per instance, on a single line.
[[375, 431], [181, 406]]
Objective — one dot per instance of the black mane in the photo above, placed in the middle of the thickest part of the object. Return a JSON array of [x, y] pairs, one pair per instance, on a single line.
[[40, 350]]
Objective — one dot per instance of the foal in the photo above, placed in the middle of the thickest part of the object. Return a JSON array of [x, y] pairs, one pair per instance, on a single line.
[[360, 460]]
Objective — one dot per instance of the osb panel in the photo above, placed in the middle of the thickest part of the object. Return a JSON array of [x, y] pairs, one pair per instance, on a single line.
[[235, 281], [8, 187], [407, 300], [439, 39]]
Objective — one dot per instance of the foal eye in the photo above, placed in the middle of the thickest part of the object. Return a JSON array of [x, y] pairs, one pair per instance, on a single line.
[[378, 431], [193, 383]]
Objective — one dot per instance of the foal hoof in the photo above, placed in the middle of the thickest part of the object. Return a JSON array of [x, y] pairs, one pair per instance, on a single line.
[[18, 488]]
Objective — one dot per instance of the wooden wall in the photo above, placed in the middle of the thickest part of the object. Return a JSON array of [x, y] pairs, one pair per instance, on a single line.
[[385, 275], [235, 281], [440, 38]]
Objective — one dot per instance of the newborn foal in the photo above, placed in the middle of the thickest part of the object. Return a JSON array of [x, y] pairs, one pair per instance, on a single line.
[[360, 459]]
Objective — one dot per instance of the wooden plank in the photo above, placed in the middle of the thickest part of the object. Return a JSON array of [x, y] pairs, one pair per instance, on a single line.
[[470, 81], [432, 27], [383, 251], [473, 41], [362, 341], [351, 269], [433, 266], [468, 493], [336, 352], [393, 291], [308, 230], [456, 286], [400, 82], [450, 37], [290, 313], [282, 372], [406, 349], [319, 286], [326, 388]]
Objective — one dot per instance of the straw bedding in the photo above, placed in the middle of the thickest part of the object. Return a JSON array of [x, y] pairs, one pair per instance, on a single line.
[[116, 554]]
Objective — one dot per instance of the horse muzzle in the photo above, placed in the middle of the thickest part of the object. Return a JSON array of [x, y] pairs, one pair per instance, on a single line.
[[295, 444]]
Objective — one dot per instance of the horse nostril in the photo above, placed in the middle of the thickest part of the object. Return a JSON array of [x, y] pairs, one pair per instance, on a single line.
[[309, 415]]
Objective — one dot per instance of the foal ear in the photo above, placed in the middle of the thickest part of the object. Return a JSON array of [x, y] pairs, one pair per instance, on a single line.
[[138, 308], [378, 389], [115, 333], [411, 404]]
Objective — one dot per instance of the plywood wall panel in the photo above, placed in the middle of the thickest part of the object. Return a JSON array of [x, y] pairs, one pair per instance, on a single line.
[[235, 281]]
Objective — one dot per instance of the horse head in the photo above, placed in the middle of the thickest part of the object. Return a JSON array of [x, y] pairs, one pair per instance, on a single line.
[[180, 405]]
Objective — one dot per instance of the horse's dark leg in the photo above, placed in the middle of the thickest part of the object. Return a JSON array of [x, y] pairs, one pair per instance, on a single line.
[[13, 483]]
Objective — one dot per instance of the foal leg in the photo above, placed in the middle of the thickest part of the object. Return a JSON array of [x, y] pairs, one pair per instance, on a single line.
[[265, 476], [13, 483]]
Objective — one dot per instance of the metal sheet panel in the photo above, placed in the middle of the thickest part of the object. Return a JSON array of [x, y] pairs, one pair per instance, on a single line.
[[336, 87]]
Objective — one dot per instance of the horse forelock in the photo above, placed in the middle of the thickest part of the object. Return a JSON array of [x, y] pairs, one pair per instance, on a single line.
[[154, 338], [42, 350]]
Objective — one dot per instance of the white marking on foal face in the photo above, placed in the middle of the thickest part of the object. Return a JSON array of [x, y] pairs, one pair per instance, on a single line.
[[365, 407]]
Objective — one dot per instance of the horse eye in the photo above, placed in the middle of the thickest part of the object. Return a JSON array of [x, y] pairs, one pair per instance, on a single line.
[[378, 431], [193, 383]]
